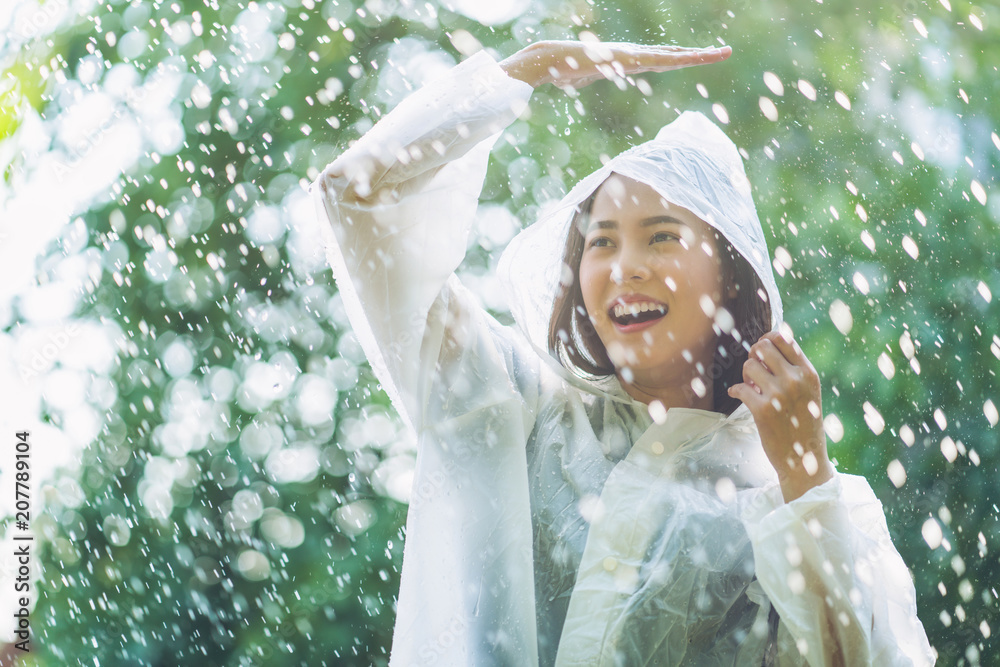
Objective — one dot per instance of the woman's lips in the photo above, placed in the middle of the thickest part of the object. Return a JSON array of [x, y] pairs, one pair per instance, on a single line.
[[639, 326]]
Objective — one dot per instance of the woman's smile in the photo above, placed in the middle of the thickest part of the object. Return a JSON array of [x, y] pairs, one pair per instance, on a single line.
[[636, 312]]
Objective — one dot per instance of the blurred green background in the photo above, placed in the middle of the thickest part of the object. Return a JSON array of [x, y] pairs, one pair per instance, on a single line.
[[219, 478]]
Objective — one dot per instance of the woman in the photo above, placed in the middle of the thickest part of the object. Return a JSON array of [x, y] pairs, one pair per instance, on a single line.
[[636, 474]]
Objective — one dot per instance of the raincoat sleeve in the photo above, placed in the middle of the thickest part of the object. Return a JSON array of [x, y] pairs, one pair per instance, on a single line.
[[397, 208], [842, 591], [399, 204]]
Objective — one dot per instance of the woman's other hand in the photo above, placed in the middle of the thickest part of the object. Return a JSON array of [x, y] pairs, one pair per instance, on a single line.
[[782, 390], [571, 64]]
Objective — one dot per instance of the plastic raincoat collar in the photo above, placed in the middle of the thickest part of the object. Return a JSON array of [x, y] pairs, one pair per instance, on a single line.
[[690, 163]]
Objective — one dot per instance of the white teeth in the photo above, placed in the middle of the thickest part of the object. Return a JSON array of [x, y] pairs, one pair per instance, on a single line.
[[620, 310]]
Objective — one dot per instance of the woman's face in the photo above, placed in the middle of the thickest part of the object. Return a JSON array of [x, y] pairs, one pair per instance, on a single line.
[[643, 253]]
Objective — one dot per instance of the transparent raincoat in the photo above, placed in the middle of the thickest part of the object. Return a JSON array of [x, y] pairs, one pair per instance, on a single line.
[[552, 521]]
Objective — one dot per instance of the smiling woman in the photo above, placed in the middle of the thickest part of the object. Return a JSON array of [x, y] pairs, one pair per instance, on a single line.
[[637, 473]]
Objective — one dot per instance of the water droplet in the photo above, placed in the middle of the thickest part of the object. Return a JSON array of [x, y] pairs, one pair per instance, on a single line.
[[721, 113], [931, 533], [768, 109], [978, 192], [807, 89], [774, 84], [873, 418], [897, 474], [949, 449], [833, 427], [990, 410], [861, 283], [886, 366], [840, 313]]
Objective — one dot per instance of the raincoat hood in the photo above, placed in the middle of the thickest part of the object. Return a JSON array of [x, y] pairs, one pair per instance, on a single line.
[[690, 163]]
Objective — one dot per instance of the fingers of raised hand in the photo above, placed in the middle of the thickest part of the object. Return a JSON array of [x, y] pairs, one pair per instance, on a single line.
[[768, 352], [759, 376], [663, 59], [784, 339], [800, 367]]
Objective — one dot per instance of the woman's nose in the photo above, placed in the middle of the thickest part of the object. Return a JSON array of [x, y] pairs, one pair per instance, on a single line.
[[631, 265]]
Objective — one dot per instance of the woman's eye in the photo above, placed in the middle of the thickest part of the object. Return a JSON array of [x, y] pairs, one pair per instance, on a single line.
[[663, 236], [600, 241]]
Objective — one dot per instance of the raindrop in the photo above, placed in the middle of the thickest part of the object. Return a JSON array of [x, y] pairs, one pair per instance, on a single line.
[[873, 418], [707, 305], [768, 109], [931, 532], [796, 582], [978, 191], [990, 410], [861, 283], [657, 412], [868, 240], [725, 489], [721, 113], [699, 388], [949, 449], [807, 89], [774, 84], [833, 427], [897, 474], [886, 366], [906, 345], [840, 313]]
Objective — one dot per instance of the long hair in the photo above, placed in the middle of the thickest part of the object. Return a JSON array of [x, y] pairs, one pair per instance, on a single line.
[[573, 340]]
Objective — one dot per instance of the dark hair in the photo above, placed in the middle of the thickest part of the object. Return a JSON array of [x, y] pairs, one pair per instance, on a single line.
[[574, 341]]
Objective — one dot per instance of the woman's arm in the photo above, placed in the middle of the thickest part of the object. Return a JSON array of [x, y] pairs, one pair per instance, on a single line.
[[577, 64], [396, 209]]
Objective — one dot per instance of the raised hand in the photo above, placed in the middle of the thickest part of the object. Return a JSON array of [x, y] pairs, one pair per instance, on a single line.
[[577, 64], [782, 390]]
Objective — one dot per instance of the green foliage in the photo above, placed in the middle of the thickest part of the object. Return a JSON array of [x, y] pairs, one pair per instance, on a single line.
[[180, 539]]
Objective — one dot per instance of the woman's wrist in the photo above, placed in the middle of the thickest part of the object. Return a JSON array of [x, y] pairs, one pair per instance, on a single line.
[[796, 482]]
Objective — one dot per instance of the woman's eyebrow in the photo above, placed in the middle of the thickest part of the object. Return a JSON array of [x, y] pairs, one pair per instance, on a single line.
[[646, 222]]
